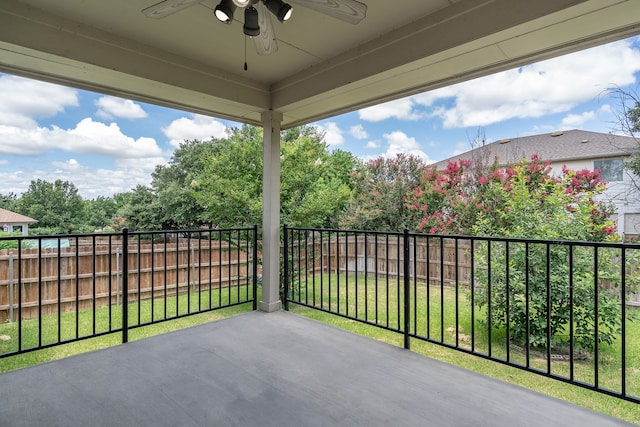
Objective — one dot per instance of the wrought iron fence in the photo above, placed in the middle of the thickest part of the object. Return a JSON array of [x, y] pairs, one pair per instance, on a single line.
[[566, 310], [64, 288]]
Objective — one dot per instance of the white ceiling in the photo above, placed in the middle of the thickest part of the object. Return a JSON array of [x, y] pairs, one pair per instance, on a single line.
[[323, 67]]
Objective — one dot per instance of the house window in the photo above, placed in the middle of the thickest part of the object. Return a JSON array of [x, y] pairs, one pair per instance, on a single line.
[[610, 169], [632, 224]]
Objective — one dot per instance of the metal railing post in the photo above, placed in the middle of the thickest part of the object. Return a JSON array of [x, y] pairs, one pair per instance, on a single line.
[[407, 290], [125, 285], [192, 264], [118, 277], [255, 267], [10, 287], [285, 257]]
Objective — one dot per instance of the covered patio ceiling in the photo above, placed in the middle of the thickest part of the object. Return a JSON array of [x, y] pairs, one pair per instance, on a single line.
[[323, 66]]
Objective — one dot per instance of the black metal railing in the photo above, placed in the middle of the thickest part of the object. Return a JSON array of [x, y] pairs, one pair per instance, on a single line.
[[566, 310], [64, 288]]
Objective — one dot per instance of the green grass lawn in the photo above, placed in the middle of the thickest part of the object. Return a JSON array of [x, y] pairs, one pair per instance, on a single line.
[[360, 298], [81, 324]]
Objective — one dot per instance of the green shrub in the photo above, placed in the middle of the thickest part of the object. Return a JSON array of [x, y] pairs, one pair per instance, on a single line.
[[9, 243], [531, 289]]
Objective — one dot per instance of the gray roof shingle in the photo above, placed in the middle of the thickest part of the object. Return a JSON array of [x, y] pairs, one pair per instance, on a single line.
[[555, 147]]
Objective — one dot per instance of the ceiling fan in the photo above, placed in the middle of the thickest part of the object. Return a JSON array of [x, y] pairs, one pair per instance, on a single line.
[[257, 22]]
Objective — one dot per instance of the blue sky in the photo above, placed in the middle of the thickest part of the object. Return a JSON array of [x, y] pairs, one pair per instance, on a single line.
[[106, 145]]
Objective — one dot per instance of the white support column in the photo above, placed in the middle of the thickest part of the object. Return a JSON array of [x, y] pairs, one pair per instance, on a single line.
[[271, 212]]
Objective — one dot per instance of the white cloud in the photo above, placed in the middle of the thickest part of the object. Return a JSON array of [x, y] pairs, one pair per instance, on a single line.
[[69, 165], [24, 141], [14, 181], [332, 133], [603, 116], [460, 147], [98, 138], [196, 127], [544, 128], [23, 100], [373, 144], [547, 87], [148, 163], [573, 121], [107, 182], [402, 109], [358, 132], [399, 142], [88, 137], [605, 109], [90, 182], [110, 107], [427, 99]]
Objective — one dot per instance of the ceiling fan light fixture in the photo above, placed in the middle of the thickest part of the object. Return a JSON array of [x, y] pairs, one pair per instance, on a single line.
[[224, 11], [280, 9], [251, 26]]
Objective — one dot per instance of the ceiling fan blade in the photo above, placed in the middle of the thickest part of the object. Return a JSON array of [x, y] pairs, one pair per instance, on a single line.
[[167, 7], [265, 42], [350, 11]]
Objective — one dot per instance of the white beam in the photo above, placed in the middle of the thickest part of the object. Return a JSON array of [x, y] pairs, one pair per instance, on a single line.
[[35, 43], [271, 122], [467, 40]]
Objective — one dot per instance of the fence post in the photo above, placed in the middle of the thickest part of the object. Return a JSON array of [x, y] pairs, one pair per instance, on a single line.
[[285, 257], [125, 285], [255, 267], [407, 292], [10, 287]]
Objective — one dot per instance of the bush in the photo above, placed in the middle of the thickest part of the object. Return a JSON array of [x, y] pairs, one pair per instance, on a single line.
[[526, 290], [529, 293], [9, 243]]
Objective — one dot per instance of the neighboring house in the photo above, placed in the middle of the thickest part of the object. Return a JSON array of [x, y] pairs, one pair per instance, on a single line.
[[577, 150], [11, 221]]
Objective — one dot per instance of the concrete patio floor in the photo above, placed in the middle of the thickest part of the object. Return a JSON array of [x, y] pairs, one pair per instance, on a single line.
[[276, 369]]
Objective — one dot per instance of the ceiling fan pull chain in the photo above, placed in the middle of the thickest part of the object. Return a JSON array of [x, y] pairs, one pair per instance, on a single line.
[[245, 53]]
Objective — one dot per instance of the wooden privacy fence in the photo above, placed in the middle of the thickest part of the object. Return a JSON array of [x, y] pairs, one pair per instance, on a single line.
[[382, 255], [89, 272]]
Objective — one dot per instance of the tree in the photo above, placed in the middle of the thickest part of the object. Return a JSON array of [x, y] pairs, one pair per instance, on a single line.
[[56, 205], [535, 286], [449, 201], [172, 184], [525, 201], [528, 202], [100, 212], [628, 122], [314, 183], [139, 210], [229, 188], [8, 201], [628, 110], [382, 187]]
